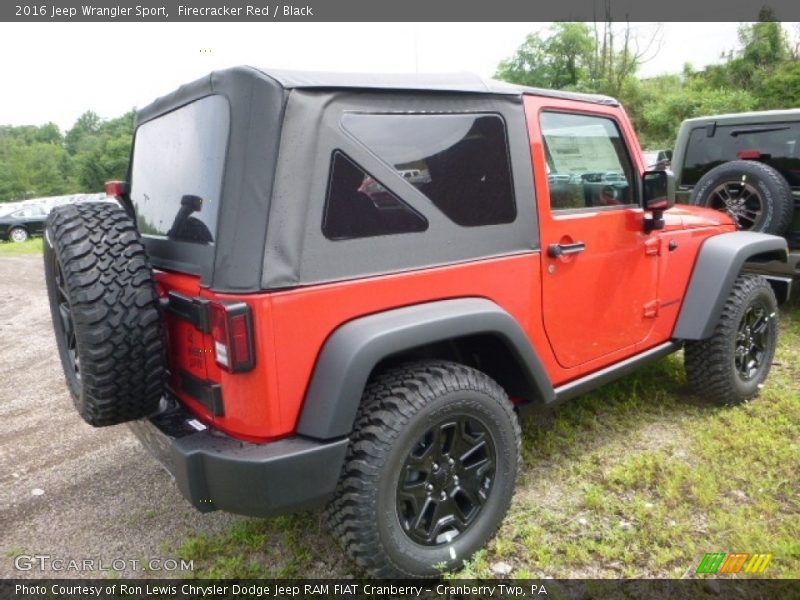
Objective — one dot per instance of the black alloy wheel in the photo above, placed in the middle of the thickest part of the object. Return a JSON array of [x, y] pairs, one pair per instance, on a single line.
[[66, 321], [752, 341], [446, 480], [743, 203]]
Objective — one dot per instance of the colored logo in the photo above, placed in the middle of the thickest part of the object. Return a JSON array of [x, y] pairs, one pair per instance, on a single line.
[[737, 562]]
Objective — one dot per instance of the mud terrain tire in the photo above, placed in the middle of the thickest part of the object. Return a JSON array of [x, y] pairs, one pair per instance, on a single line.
[[105, 312], [730, 366], [429, 435]]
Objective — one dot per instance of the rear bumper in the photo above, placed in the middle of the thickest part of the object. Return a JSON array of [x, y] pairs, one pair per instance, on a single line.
[[214, 471]]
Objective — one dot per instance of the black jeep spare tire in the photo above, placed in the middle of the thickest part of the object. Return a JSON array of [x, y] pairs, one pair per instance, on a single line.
[[755, 195], [105, 312]]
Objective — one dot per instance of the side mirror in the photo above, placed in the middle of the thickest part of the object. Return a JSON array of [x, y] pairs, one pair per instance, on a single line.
[[658, 195]]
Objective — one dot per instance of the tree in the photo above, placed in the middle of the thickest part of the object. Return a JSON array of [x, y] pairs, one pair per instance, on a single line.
[[782, 88], [104, 153], [32, 170], [762, 73], [87, 126], [570, 48], [530, 64], [574, 56], [559, 60], [764, 44], [40, 161]]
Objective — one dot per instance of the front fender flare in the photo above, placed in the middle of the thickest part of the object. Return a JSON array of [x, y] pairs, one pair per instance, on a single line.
[[719, 262], [352, 351]]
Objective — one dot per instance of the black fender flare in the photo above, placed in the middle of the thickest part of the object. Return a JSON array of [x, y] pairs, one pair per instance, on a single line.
[[720, 260], [352, 351]]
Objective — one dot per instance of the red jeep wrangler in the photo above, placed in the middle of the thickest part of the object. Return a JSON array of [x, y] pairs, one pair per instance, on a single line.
[[342, 289]]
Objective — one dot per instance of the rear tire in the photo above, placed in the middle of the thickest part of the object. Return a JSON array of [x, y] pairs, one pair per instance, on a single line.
[[430, 470], [730, 366], [755, 195], [105, 312]]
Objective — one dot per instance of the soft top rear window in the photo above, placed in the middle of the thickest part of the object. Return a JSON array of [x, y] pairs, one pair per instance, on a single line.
[[777, 144], [176, 175]]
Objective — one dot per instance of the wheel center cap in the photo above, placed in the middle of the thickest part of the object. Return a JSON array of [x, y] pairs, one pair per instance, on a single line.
[[444, 474]]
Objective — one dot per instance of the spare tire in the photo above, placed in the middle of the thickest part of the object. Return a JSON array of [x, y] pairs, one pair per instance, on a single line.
[[105, 312], [755, 195]]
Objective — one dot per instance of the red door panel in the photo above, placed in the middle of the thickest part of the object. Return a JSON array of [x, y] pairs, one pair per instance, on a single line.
[[601, 299], [594, 302]]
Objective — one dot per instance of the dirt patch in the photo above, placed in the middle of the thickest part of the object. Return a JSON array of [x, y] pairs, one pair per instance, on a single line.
[[68, 490]]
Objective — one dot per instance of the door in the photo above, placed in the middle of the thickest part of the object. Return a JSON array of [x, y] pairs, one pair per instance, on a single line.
[[599, 268]]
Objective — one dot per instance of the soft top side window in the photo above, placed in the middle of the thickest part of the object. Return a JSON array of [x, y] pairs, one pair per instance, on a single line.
[[358, 206], [459, 161]]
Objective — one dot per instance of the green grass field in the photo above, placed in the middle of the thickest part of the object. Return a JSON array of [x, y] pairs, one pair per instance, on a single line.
[[638, 479], [32, 246]]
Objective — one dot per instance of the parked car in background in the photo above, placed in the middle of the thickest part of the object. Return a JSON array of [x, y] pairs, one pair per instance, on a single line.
[[21, 224], [22, 219]]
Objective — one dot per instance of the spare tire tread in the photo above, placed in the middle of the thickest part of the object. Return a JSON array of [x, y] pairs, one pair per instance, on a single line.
[[115, 311]]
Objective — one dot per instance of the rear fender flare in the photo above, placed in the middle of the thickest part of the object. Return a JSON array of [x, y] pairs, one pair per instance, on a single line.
[[352, 351]]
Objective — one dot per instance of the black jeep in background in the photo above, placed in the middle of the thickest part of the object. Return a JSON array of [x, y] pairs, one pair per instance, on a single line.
[[747, 165]]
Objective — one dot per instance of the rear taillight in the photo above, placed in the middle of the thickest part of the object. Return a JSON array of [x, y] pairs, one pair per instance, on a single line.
[[749, 154], [117, 189], [232, 330]]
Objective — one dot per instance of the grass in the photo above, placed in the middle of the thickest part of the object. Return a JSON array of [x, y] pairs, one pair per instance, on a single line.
[[32, 246], [638, 479]]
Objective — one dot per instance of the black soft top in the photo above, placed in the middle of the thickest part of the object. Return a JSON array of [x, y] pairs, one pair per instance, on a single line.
[[466, 83], [285, 127], [443, 82]]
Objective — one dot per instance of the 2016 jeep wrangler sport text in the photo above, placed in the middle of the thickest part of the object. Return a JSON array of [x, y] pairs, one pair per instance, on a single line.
[[328, 289]]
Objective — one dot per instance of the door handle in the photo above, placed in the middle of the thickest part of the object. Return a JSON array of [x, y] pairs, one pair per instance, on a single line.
[[556, 250]]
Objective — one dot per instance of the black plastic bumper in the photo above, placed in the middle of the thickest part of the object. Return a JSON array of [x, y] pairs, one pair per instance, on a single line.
[[215, 471]]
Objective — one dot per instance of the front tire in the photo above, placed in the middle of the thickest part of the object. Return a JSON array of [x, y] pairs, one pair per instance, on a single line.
[[730, 366], [430, 470]]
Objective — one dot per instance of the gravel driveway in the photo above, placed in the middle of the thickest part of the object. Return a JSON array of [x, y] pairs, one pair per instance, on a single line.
[[67, 490]]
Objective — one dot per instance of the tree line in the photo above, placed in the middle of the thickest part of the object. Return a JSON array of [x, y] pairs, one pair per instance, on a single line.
[[762, 73], [39, 160]]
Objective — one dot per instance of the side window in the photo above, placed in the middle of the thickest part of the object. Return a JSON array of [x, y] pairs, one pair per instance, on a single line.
[[459, 161], [358, 206], [587, 163]]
